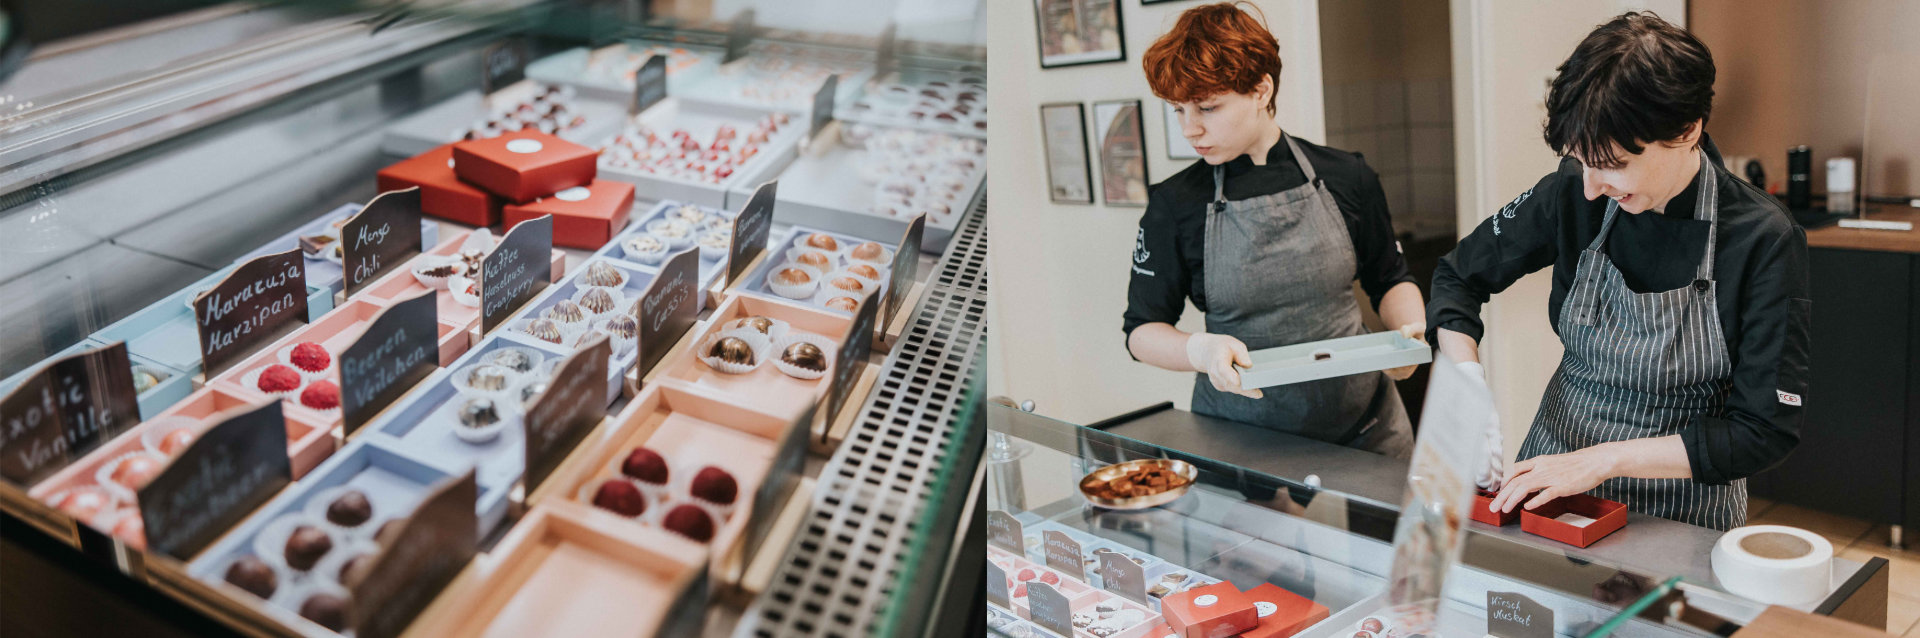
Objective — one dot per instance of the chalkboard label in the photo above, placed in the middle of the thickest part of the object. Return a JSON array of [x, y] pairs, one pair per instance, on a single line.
[[906, 268], [1120, 575], [64, 411], [822, 106], [219, 479], [739, 35], [380, 238], [751, 228], [789, 461], [997, 586], [649, 84], [1004, 530], [431, 547], [1048, 608], [575, 401], [689, 615], [1511, 615], [400, 347], [261, 301], [1063, 554], [515, 271], [888, 54], [851, 360], [668, 307], [503, 64]]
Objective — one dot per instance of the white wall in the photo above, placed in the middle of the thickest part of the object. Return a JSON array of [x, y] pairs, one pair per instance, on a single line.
[[1060, 271], [1504, 52]]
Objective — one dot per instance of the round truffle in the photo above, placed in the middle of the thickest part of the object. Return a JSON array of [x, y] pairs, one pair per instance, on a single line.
[[488, 378], [322, 395], [870, 251], [620, 497], [305, 547], [350, 509], [732, 350], [816, 260], [823, 242], [176, 441], [848, 304], [848, 284], [515, 360], [135, 471], [759, 324], [865, 270], [278, 378], [689, 521], [252, 574], [84, 503], [714, 485], [792, 277], [310, 357], [806, 356], [326, 610], [646, 466], [549, 331]]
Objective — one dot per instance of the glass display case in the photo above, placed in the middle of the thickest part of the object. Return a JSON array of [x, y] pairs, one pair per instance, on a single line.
[[1326, 551]]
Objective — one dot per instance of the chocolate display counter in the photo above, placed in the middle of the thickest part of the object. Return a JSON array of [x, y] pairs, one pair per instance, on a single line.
[[1284, 536], [353, 347]]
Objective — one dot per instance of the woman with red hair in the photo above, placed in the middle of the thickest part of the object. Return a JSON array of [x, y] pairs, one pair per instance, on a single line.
[[1266, 235]]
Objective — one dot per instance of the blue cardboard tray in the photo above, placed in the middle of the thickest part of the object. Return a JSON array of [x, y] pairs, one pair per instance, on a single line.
[[710, 269], [777, 255], [164, 332], [638, 278], [320, 272]]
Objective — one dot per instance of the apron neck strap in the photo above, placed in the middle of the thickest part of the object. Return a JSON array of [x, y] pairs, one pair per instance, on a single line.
[[1220, 170], [1708, 209], [1220, 184]]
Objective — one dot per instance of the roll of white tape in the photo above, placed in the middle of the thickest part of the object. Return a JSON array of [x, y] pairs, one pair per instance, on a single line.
[[1774, 564]]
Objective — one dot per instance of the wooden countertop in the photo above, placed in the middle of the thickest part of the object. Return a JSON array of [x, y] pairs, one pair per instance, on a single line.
[[1899, 241]]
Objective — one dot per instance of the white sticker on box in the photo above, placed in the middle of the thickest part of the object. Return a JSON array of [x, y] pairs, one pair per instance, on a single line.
[[1205, 600], [1265, 608], [575, 194], [523, 146]]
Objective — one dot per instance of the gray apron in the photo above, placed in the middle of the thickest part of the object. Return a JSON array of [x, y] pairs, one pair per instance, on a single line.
[[1641, 365], [1280, 271]]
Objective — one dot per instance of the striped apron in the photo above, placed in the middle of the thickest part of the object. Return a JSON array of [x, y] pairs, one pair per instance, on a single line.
[[1641, 365]]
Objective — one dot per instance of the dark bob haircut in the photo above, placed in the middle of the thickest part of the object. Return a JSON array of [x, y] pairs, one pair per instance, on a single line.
[[1635, 80]]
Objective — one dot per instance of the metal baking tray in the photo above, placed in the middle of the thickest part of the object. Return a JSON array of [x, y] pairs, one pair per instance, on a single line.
[[1333, 358]]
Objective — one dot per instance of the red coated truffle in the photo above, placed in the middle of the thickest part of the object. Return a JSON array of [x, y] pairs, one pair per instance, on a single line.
[[1050, 578], [310, 357], [278, 378], [132, 529], [176, 441], [322, 395], [134, 472], [646, 466], [714, 485], [620, 497], [84, 503], [690, 521]]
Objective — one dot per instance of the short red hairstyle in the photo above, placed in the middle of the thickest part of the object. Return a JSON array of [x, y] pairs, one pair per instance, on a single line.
[[1213, 49]]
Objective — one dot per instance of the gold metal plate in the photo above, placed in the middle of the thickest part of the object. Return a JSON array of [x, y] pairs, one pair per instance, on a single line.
[[1108, 473]]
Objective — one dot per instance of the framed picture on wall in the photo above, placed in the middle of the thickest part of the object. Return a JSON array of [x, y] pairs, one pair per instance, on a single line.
[[1079, 32], [1069, 174], [1177, 146], [1122, 140], [1156, 1]]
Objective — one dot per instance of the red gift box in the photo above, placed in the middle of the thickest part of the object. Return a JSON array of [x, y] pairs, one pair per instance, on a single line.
[[1213, 611], [442, 194], [583, 216], [524, 165], [1482, 500], [1608, 516], [1162, 631], [1289, 614]]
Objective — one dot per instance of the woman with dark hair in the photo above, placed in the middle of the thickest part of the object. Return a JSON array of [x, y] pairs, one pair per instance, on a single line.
[[1679, 291], [1266, 235]]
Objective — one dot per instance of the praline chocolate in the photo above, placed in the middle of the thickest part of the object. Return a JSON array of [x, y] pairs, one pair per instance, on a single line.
[[278, 378], [823, 242], [305, 547], [714, 485], [567, 311], [870, 251], [488, 378], [732, 350], [622, 325], [546, 330], [805, 356], [645, 245], [646, 466], [792, 277], [816, 260], [322, 395], [689, 521], [531, 392], [848, 304], [601, 274], [620, 497], [311, 357], [597, 300], [716, 240], [252, 574], [326, 610], [848, 284], [478, 412], [515, 360], [690, 214], [350, 509], [864, 270]]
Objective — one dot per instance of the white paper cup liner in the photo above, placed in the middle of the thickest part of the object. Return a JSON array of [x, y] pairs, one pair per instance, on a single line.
[[774, 333], [328, 569], [793, 259], [663, 230], [867, 286], [754, 339], [791, 291], [463, 383], [285, 356], [825, 299], [333, 253], [436, 282], [252, 382], [709, 252], [506, 407], [827, 350], [620, 301], [317, 504], [159, 428], [457, 288], [617, 285], [270, 544], [104, 475], [632, 251], [534, 358]]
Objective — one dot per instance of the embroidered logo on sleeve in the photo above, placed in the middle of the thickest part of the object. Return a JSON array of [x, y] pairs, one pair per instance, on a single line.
[[1140, 254], [1507, 211], [1788, 398]]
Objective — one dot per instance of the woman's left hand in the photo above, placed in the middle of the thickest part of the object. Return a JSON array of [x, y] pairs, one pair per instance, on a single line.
[[1554, 476], [1416, 332]]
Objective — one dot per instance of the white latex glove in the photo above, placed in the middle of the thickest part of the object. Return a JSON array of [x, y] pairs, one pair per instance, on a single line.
[[1217, 355], [1493, 473]]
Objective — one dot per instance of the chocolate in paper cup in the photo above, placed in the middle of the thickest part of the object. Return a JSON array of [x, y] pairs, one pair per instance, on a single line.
[[506, 410], [827, 351], [317, 504], [591, 488], [620, 301], [774, 332], [753, 339], [683, 493], [157, 429], [103, 476], [710, 252], [793, 260], [657, 495], [867, 286], [457, 288], [793, 291], [285, 356], [463, 380], [283, 579], [678, 235], [427, 262], [534, 358], [633, 251], [270, 543], [251, 380], [308, 587]]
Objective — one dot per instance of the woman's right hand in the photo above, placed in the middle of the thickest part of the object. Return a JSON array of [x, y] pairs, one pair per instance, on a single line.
[[1217, 355]]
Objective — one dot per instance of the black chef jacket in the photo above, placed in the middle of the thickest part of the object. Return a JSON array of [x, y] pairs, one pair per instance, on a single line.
[[1760, 265], [1169, 252]]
